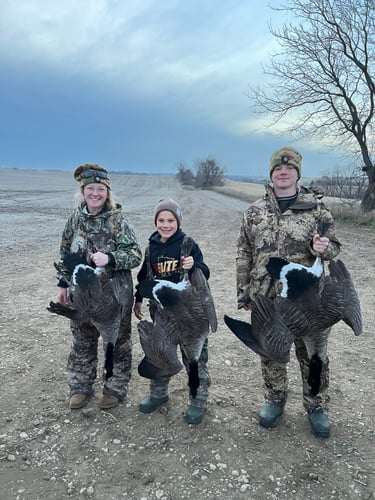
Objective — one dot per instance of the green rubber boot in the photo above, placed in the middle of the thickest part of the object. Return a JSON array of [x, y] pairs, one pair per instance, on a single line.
[[319, 423], [150, 404], [270, 413], [194, 415]]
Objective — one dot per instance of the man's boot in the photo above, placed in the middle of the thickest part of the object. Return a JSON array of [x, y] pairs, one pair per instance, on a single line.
[[319, 423], [270, 414]]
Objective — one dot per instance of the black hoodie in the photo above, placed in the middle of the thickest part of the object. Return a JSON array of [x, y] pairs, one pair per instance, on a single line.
[[165, 259]]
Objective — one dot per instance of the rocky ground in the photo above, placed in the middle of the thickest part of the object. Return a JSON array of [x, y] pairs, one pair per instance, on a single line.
[[48, 452]]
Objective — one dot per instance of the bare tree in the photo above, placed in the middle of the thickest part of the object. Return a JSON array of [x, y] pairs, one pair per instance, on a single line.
[[209, 173], [345, 184], [185, 175], [324, 78]]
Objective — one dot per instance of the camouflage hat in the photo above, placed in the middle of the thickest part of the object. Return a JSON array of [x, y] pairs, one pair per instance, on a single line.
[[90, 172], [286, 156], [171, 206]]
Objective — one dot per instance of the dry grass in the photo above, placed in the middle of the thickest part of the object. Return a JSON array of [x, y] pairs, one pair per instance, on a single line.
[[246, 191], [345, 211]]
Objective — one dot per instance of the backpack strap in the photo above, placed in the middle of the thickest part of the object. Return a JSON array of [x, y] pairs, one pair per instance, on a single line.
[[150, 274]]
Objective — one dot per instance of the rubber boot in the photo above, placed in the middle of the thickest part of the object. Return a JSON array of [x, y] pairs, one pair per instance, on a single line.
[[319, 423], [270, 413], [158, 396], [150, 404]]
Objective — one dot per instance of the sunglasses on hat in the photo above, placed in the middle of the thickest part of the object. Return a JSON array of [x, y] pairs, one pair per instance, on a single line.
[[94, 173]]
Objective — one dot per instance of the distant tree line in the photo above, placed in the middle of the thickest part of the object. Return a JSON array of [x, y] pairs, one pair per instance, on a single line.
[[350, 184], [205, 173]]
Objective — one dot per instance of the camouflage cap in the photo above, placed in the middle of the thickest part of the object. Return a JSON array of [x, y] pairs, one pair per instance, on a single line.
[[286, 156], [90, 173], [171, 206]]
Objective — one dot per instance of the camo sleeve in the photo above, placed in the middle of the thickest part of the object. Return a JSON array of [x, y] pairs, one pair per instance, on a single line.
[[63, 275], [127, 253], [244, 261]]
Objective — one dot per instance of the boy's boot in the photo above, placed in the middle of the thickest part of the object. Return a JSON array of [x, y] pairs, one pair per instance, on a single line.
[[158, 396]]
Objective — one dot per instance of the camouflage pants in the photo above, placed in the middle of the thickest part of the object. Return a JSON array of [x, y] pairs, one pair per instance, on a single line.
[[276, 380], [159, 387], [83, 360]]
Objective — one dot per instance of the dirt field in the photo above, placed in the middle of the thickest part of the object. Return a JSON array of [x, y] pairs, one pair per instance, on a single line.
[[48, 452]]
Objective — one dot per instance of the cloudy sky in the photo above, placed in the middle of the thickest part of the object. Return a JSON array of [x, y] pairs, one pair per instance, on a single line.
[[137, 85]]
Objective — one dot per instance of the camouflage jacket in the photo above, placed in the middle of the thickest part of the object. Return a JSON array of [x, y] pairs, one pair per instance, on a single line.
[[266, 232], [108, 232]]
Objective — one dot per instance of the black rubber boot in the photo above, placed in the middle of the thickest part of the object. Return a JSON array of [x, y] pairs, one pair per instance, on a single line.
[[150, 404], [194, 415], [270, 414], [319, 423]]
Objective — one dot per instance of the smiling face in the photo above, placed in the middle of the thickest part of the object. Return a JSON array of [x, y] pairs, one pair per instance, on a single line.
[[284, 179], [166, 224], [95, 196]]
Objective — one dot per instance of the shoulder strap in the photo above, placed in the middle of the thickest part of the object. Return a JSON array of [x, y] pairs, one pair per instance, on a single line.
[[150, 274]]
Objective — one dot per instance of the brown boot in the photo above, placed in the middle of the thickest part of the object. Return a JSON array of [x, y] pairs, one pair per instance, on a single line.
[[108, 401], [78, 401]]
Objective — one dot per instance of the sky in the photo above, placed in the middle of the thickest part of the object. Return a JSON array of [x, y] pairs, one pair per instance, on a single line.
[[138, 85]]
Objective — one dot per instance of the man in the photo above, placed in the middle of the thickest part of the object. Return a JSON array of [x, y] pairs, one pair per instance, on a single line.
[[284, 223]]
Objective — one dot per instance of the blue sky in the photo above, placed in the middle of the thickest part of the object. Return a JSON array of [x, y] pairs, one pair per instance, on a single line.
[[137, 85]]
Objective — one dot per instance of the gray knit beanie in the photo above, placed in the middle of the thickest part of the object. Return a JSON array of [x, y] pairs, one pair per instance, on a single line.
[[171, 206]]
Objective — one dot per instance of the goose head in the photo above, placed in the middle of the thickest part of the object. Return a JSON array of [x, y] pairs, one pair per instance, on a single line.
[[295, 278]]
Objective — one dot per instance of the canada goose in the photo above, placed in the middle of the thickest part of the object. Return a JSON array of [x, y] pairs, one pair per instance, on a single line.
[[307, 307], [99, 300], [184, 315]]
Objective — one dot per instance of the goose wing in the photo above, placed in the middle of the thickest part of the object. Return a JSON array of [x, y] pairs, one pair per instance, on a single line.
[[189, 309], [267, 335], [245, 333], [122, 285], [271, 329], [64, 310], [200, 289], [95, 300], [299, 319], [160, 351], [202, 294], [339, 285]]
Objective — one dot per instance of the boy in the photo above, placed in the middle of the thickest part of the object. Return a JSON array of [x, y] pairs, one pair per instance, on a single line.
[[163, 261]]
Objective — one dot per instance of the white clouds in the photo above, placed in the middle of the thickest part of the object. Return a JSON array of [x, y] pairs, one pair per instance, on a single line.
[[139, 71], [151, 48]]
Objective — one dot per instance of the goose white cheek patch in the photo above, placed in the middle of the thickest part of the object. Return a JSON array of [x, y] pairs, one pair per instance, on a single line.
[[180, 286], [316, 270]]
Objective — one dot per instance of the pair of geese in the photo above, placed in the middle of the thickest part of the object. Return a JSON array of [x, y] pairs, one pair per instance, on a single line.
[[309, 304]]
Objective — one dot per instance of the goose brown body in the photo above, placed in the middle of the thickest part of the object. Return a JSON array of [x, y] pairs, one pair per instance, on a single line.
[[184, 316], [322, 303], [99, 300]]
